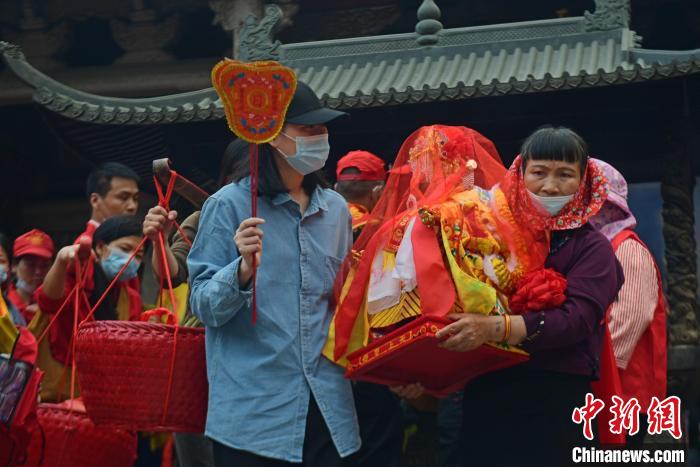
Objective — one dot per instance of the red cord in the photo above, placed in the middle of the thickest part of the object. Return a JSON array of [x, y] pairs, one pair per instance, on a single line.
[[79, 284], [182, 234], [114, 281], [165, 267], [164, 200], [76, 309], [57, 313]]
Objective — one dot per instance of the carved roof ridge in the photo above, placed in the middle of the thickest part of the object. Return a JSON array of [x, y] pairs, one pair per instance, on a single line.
[[514, 58]]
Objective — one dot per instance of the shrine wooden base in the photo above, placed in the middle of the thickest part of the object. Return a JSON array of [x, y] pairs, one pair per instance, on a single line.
[[411, 354]]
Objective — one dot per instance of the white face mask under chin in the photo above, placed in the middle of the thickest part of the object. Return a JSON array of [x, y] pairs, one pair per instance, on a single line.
[[551, 204]]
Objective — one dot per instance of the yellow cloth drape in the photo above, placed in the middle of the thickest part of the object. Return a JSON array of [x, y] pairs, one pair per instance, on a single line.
[[8, 330], [360, 329], [473, 295], [181, 293]]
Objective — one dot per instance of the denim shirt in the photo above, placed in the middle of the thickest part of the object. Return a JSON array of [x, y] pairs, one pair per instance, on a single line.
[[262, 375]]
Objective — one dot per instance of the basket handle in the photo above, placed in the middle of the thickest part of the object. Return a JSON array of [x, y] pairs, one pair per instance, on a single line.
[[159, 313]]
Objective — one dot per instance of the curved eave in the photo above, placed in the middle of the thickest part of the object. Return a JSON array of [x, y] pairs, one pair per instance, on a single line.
[[204, 104], [131, 113], [70, 102]]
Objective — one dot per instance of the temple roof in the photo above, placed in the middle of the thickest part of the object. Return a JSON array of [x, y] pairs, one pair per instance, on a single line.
[[432, 64]]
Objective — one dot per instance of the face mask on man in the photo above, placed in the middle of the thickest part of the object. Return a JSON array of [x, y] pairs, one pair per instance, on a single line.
[[115, 261], [312, 153], [3, 274], [551, 204], [25, 286]]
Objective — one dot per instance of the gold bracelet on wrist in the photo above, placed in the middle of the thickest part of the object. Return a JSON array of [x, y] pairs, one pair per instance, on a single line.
[[506, 330]]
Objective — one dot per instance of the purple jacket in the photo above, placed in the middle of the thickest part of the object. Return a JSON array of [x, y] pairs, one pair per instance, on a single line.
[[568, 339]]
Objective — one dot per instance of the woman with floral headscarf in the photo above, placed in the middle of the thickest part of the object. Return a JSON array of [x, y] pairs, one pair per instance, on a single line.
[[637, 319], [523, 414]]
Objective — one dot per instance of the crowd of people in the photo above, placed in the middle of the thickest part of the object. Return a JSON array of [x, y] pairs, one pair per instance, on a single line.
[[274, 397]]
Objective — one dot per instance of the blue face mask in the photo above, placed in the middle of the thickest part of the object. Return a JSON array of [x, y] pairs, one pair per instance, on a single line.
[[115, 261], [25, 286], [312, 153], [3, 273], [551, 204]]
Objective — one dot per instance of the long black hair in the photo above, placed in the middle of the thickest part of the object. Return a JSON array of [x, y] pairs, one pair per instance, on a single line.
[[555, 143], [234, 161], [269, 180]]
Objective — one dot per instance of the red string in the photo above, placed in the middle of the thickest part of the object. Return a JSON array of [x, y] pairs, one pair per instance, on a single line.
[[192, 185], [57, 313], [75, 295], [160, 290], [165, 267], [114, 281], [164, 200], [80, 282], [182, 234], [254, 155], [79, 289], [76, 309]]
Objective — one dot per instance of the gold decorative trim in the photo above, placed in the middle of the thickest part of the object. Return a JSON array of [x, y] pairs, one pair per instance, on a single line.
[[402, 340]]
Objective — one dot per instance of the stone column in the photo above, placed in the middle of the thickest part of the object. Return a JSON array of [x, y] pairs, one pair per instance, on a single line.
[[677, 184]]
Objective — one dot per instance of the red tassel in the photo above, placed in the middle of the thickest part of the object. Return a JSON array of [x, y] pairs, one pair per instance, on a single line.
[[167, 460]]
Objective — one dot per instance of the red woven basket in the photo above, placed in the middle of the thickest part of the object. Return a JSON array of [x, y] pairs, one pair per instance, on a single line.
[[70, 439], [124, 372]]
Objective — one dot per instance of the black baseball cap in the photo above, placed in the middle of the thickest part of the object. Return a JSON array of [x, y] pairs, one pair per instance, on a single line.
[[306, 108]]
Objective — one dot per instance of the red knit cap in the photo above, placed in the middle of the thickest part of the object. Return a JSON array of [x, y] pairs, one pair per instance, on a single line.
[[370, 166]]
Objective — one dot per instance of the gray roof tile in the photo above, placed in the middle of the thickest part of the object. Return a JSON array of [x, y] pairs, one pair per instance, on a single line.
[[392, 70]]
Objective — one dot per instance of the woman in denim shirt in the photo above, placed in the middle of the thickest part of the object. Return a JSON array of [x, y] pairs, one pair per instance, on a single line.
[[273, 399]]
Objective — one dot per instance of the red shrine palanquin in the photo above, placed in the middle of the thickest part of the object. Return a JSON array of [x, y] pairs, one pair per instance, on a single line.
[[441, 240]]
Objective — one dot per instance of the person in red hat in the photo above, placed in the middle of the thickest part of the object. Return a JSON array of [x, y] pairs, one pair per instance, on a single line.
[[32, 254], [360, 179]]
